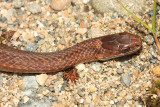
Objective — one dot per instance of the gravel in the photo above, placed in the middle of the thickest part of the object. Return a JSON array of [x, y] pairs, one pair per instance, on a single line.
[[39, 28]]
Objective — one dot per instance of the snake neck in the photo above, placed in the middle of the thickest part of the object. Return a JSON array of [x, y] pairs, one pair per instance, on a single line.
[[13, 60]]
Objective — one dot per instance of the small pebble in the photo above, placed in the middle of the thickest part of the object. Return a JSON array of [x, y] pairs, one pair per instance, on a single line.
[[111, 102], [3, 19], [7, 5], [28, 92], [37, 38], [92, 88], [60, 4], [18, 3], [31, 47], [52, 89], [97, 67], [149, 39], [125, 79], [150, 12], [64, 85], [122, 94], [81, 92], [122, 102], [20, 12], [41, 79], [129, 97], [81, 30], [119, 71], [80, 67], [54, 98], [136, 64], [34, 8], [156, 70], [29, 82], [25, 99], [81, 100], [1, 78], [85, 1], [153, 59], [102, 6]]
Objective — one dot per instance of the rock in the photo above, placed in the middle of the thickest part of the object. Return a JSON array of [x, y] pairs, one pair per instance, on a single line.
[[53, 98], [60, 4], [29, 82], [125, 79], [81, 30], [150, 12], [153, 59], [97, 67], [18, 3], [136, 64], [3, 19], [37, 38], [122, 93], [3, 25], [15, 36], [64, 85], [158, 1], [9, 14], [119, 71], [149, 39], [122, 102], [80, 100], [111, 102], [7, 5], [1, 79], [156, 70], [92, 88], [34, 8], [96, 32], [104, 6], [20, 12], [80, 67], [129, 97], [85, 1], [41, 79], [26, 99], [36, 102], [81, 92], [31, 47]]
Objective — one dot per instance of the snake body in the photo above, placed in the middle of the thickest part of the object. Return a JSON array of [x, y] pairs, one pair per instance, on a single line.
[[101, 48]]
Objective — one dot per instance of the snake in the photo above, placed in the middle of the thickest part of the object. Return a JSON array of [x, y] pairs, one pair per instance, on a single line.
[[101, 48]]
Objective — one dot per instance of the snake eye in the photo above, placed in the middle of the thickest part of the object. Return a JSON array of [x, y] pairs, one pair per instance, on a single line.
[[125, 50]]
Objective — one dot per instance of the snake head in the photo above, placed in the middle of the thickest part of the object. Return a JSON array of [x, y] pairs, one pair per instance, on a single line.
[[117, 45]]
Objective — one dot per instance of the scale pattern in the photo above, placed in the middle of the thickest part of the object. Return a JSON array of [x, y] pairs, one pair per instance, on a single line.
[[105, 47]]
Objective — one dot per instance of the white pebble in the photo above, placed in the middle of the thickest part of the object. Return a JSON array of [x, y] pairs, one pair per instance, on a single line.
[[25, 98], [81, 30], [41, 79], [60, 4], [85, 1], [81, 101], [111, 102], [96, 67], [92, 88], [35, 33], [15, 101], [80, 67]]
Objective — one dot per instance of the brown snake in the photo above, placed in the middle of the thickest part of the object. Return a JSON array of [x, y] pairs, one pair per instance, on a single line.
[[101, 48]]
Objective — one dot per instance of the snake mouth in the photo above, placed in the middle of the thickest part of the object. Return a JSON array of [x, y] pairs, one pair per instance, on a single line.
[[120, 55]]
